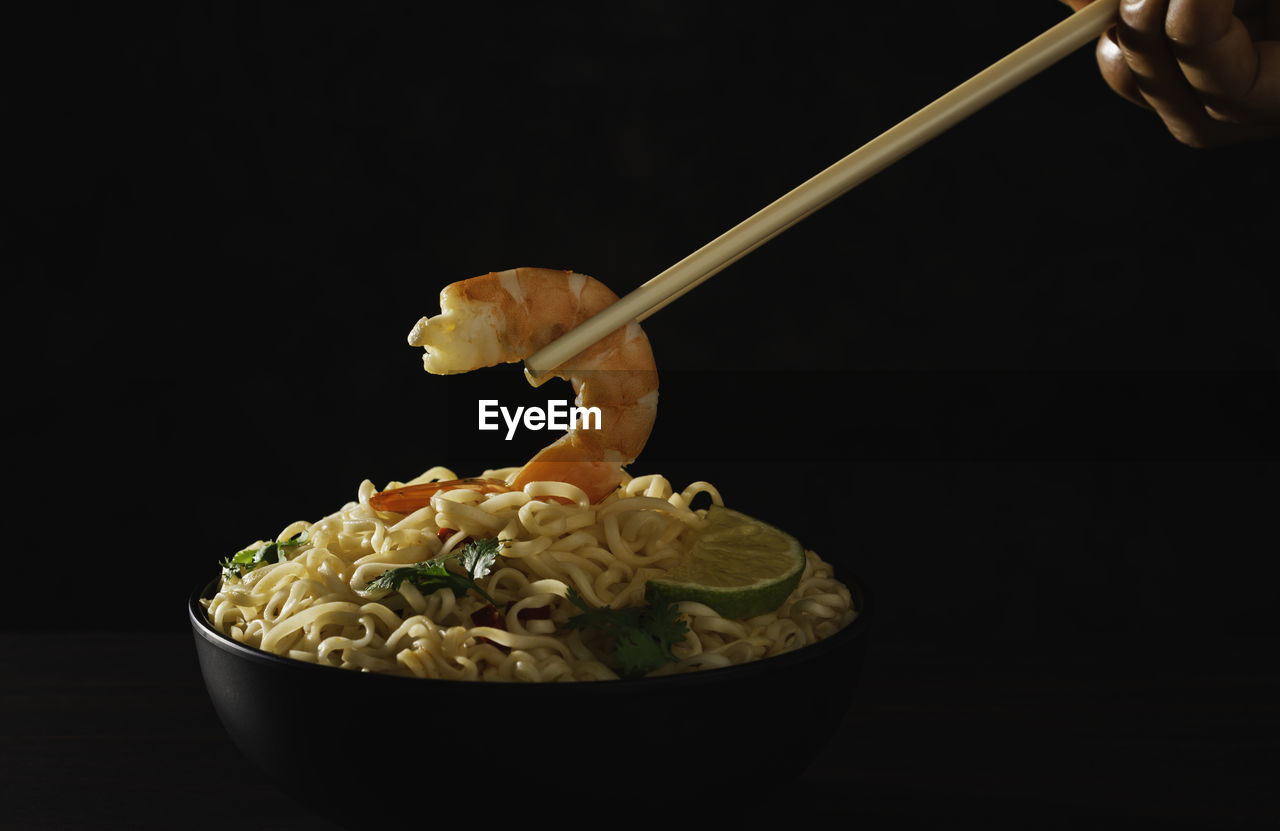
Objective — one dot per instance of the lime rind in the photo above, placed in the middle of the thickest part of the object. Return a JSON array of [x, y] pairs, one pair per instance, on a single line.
[[739, 566], [728, 603]]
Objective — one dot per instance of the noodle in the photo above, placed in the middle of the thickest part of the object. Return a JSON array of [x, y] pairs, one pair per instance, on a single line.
[[312, 608]]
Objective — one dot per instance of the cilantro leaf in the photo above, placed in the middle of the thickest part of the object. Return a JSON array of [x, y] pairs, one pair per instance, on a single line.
[[641, 636], [243, 562], [477, 557], [419, 574]]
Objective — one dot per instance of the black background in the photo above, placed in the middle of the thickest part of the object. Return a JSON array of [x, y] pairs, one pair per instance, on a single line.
[[1025, 379]]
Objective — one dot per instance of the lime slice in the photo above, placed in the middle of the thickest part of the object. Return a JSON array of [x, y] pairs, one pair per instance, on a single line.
[[739, 566]]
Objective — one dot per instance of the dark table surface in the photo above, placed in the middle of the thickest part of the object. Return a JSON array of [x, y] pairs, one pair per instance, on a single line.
[[115, 730]]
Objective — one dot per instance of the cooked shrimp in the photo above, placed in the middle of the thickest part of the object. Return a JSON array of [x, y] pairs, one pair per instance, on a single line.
[[504, 317], [409, 498]]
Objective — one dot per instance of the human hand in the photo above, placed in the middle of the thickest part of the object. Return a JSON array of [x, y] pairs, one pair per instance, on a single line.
[[1210, 69]]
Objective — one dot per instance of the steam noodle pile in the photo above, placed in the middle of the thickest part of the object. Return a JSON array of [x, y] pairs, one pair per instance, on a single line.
[[311, 607]]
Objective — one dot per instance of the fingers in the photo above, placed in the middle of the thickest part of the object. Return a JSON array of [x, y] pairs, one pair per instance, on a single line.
[[1149, 55], [1115, 71], [1195, 64], [1237, 79], [1111, 61], [1209, 68]]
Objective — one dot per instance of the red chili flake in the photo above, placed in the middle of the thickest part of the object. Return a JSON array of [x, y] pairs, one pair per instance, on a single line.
[[488, 616]]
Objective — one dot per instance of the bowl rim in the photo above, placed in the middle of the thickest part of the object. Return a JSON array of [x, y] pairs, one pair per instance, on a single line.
[[855, 630]]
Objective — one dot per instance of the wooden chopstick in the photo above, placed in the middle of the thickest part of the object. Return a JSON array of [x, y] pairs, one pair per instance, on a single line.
[[1030, 59]]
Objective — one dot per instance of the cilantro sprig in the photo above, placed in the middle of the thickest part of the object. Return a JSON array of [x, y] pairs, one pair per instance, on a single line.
[[243, 562], [641, 636], [476, 557]]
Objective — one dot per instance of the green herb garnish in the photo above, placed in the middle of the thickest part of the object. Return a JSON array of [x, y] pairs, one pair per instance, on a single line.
[[476, 557], [247, 560], [641, 636]]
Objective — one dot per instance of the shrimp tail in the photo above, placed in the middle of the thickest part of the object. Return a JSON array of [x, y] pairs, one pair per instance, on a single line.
[[409, 498]]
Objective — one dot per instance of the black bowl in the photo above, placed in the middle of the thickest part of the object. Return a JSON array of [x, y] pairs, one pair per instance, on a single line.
[[301, 723]]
